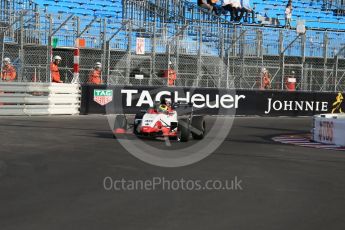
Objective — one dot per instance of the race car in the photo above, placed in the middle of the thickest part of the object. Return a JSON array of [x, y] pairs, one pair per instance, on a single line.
[[162, 121]]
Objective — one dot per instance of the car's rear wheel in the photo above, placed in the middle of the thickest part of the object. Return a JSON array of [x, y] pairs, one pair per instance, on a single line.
[[137, 120], [198, 127], [173, 138], [183, 130]]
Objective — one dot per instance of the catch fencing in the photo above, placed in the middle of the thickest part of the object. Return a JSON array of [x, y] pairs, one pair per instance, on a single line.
[[134, 52]]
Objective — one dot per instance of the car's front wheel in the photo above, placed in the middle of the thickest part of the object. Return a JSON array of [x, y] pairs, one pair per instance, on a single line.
[[198, 127], [183, 130], [137, 120]]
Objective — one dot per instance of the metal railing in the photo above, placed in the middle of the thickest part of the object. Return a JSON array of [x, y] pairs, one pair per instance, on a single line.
[[334, 4]]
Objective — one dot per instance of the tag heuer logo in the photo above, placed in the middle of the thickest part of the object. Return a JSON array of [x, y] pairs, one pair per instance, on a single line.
[[102, 97]]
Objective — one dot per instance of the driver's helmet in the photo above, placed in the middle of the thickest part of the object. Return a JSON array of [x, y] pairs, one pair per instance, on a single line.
[[168, 101], [165, 101], [163, 108]]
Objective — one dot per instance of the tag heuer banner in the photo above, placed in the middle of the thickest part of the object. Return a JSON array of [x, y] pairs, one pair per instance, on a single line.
[[102, 97], [211, 101]]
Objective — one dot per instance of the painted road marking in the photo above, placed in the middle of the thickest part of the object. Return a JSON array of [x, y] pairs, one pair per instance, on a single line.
[[304, 140]]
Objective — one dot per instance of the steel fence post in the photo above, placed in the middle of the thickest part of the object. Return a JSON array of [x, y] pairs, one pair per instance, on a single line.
[[104, 47], [168, 52], [242, 53], [49, 48], [281, 58], [199, 61], [129, 51], [336, 63], [234, 41], [261, 51], [153, 53], [325, 51], [228, 69], [108, 61], [77, 26], [303, 78], [234, 55], [2, 47], [21, 50], [259, 42], [177, 52], [221, 67]]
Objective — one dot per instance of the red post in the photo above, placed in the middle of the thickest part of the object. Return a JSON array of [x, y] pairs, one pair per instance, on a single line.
[[76, 65]]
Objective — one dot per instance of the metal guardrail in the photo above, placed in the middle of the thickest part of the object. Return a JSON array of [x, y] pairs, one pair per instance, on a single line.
[[39, 99]]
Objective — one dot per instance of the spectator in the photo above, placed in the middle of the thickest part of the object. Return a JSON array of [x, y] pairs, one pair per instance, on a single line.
[[216, 8], [206, 4], [327, 4], [290, 82], [265, 79], [288, 15], [246, 9], [95, 74], [236, 4], [170, 75], [210, 5], [227, 6], [54, 70], [234, 7], [8, 72]]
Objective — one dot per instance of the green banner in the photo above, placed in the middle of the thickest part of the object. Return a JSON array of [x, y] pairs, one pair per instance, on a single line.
[[55, 42]]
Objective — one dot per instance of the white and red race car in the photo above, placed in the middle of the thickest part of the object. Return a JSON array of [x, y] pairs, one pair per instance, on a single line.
[[163, 121]]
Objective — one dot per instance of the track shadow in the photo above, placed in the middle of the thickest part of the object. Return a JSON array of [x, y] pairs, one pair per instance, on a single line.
[[46, 127], [104, 135], [269, 128]]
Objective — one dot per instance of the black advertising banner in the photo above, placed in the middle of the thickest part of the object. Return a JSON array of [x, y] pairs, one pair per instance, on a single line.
[[284, 103], [102, 99]]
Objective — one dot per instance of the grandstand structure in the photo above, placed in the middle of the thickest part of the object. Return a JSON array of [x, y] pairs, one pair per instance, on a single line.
[[206, 50]]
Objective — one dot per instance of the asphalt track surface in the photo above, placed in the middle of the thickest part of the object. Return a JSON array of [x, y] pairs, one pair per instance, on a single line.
[[52, 171]]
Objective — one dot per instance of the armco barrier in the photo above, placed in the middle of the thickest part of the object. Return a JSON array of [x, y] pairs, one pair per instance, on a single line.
[[329, 129], [100, 99], [39, 98]]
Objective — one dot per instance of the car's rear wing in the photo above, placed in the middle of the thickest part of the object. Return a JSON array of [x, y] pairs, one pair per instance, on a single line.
[[182, 104], [183, 108]]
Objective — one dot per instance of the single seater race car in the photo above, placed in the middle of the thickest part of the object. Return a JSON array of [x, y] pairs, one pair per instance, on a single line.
[[162, 121]]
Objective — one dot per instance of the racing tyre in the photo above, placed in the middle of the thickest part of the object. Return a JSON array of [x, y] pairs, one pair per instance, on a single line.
[[173, 138], [198, 127], [183, 130], [138, 116]]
